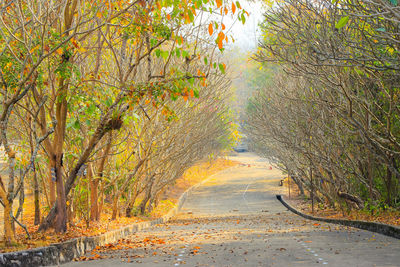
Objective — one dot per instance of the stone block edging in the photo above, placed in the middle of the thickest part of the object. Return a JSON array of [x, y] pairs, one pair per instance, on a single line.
[[380, 228], [66, 251]]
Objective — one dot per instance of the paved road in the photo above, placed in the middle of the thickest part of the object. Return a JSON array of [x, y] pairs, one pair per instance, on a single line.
[[233, 219]]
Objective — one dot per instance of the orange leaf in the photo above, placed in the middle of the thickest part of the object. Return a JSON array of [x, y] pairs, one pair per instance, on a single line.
[[219, 3], [168, 17], [221, 37], [59, 51], [223, 26], [226, 11], [33, 49], [233, 8], [210, 29], [99, 15], [220, 45]]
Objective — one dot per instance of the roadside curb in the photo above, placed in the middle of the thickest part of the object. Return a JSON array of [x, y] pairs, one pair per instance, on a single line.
[[379, 228], [64, 252]]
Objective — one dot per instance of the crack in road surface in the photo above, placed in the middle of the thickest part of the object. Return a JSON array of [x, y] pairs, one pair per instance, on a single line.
[[234, 219]]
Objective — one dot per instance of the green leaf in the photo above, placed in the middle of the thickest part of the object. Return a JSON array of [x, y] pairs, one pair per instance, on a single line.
[[205, 60], [243, 18], [153, 42], [238, 4], [342, 22], [191, 17], [164, 55], [76, 125], [178, 52], [91, 109], [158, 52], [185, 53], [196, 92], [221, 68], [394, 2]]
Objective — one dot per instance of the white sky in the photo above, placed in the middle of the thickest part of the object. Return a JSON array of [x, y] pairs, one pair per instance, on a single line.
[[246, 36]]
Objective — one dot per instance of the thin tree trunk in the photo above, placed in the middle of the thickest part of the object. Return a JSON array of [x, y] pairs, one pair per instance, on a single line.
[[52, 185], [9, 236], [36, 194], [94, 207]]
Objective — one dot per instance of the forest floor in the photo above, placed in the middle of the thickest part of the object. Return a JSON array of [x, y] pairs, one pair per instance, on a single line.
[[303, 203], [79, 228]]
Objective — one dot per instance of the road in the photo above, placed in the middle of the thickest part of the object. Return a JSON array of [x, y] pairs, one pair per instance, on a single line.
[[234, 219]]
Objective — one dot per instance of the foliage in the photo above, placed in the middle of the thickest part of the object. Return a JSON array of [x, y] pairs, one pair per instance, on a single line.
[[329, 118], [97, 94]]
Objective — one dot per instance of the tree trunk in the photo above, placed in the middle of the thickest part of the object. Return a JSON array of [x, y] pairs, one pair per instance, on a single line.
[[9, 235], [147, 195], [389, 176], [94, 185], [36, 194], [352, 198], [60, 223], [94, 206], [52, 186], [114, 208]]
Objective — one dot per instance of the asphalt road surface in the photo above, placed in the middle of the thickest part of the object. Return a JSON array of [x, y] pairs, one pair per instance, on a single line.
[[234, 219]]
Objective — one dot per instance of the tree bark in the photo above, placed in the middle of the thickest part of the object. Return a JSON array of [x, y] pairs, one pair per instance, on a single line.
[[9, 236], [94, 207], [36, 197]]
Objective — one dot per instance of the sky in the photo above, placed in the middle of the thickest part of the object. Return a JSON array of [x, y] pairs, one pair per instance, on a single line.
[[246, 36]]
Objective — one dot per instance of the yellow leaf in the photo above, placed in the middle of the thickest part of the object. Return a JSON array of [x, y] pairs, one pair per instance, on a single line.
[[81, 50]]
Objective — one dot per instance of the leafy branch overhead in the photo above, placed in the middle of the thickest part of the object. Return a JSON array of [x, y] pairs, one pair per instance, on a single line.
[[95, 94]]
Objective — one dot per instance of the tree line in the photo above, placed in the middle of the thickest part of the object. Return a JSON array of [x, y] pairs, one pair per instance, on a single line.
[[329, 113], [105, 101]]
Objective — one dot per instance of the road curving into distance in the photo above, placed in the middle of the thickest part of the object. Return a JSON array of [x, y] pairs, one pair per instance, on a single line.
[[234, 219]]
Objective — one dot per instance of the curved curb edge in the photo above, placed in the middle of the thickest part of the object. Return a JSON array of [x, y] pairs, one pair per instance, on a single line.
[[379, 228], [64, 252]]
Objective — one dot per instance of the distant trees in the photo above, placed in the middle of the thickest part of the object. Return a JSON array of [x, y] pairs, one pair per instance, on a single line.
[[330, 116], [107, 99]]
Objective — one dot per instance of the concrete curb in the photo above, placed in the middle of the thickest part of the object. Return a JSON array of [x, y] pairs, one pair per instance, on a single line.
[[64, 252], [379, 228], [60, 253]]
